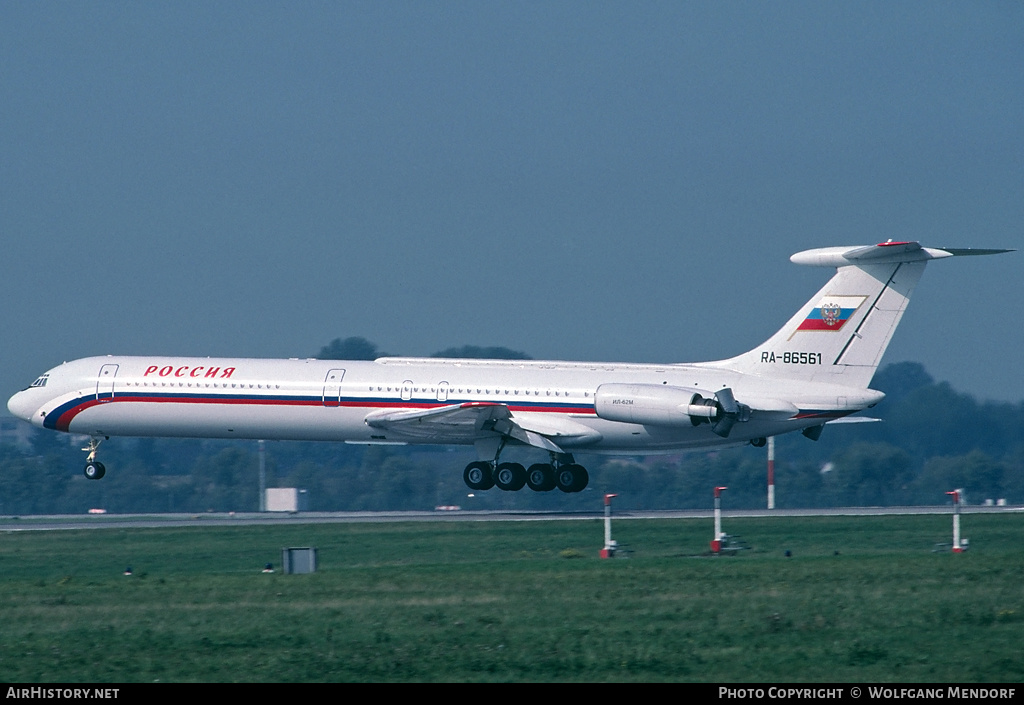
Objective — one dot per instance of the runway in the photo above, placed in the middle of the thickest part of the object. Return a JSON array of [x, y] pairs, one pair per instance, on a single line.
[[157, 521]]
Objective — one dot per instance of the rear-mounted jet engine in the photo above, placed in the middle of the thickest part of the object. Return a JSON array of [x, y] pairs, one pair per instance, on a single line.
[[654, 405]]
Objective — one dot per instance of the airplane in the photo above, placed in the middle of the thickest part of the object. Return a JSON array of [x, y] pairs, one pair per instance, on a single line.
[[815, 370]]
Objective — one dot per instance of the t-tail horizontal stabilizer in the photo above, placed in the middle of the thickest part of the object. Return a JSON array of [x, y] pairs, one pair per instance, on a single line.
[[882, 253]]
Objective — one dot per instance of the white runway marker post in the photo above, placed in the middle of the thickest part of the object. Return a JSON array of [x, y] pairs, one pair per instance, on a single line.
[[716, 543], [609, 546], [957, 548]]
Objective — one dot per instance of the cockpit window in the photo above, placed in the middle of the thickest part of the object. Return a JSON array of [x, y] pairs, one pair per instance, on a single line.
[[41, 382]]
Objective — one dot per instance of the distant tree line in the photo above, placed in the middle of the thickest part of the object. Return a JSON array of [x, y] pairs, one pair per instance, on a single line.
[[932, 439], [362, 349]]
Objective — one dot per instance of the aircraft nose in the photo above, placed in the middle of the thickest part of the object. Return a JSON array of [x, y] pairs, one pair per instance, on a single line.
[[22, 406]]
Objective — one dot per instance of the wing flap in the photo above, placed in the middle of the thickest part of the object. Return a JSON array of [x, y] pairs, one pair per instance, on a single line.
[[455, 423], [471, 421], [558, 428]]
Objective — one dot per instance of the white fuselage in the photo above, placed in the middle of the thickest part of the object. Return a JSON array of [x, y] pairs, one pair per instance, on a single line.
[[330, 400]]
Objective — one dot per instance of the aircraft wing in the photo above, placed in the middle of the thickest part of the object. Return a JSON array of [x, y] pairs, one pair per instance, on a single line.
[[459, 423]]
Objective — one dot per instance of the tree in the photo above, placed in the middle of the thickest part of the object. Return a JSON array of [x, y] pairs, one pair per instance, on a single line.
[[976, 473], [226, 481], [869, 474], [475, 352], [900, 379], [354, 348]]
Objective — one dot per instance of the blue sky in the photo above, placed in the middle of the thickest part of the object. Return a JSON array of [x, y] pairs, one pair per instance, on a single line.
[[600, 181]]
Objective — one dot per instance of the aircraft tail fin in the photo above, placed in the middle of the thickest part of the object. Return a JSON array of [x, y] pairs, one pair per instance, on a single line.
[[839, 336]]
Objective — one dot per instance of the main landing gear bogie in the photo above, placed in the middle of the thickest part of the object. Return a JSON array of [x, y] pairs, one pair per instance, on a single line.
[[512, 477]]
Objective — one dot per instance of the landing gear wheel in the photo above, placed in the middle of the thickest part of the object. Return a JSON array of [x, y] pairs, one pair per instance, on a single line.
[[541, 477], [479, 476], [572, 477], [94, 470], [510, 477]]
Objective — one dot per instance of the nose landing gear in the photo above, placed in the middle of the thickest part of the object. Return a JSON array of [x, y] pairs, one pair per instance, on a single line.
[[94, 469]]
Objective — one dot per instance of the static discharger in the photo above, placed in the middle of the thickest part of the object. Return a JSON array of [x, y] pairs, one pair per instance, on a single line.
[[610, 546]]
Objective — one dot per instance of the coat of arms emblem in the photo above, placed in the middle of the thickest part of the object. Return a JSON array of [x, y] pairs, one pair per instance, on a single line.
[[830, 313]]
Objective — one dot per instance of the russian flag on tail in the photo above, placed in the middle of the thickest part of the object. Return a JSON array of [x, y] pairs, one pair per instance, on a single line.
[[832, 313]]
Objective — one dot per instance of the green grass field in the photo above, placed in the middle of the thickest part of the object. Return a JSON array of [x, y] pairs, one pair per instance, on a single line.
[[522, 601]]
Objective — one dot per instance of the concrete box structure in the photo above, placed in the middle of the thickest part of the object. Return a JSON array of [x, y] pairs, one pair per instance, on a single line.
[[286, 499], [298, 560]]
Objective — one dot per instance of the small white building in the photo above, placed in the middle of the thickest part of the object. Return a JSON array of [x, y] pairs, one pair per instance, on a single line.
[[287, 499]]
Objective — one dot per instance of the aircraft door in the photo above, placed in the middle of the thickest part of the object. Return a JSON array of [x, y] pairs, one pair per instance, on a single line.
[[407, 390], [332, 387], [442, 391], [105, 382]]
